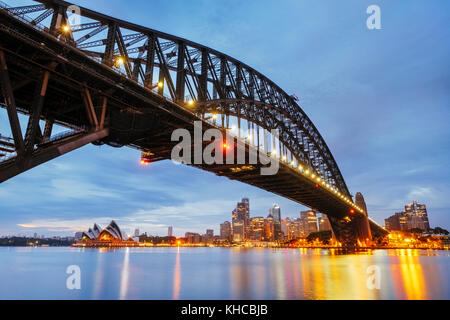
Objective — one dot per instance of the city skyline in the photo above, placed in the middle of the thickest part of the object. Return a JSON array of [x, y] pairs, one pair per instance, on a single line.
[[363, 114], [180, 231]]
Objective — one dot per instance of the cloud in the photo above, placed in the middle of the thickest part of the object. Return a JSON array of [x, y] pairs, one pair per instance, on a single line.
[[421, 193], [77, 189], [28, 226]]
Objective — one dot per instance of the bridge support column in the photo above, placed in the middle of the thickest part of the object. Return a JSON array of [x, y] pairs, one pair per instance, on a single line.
[[352, 231]]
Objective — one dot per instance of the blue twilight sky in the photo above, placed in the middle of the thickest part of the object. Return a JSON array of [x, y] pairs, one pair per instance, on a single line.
[[380, 98]]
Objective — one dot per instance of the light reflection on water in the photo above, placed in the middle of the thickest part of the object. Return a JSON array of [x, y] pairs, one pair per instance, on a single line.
[[223, 273]]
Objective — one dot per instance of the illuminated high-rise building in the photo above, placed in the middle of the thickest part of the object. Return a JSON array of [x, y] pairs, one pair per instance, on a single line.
[[170, 231], [256, 228], [309, 221], [276, 214], [324, 223], [241, 221], [285, 228], [415, 216], [225, 231], [420, 212], [268, 228], [209, 235]]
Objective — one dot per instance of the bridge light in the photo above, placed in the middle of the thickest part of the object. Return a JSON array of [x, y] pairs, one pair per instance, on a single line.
[[214, 116], [190, 102], [300, 168], [307, 172], [284, 158], [66, 28], [318, 179], [160, 84], [119, 62], [313, 176], [352, 211]]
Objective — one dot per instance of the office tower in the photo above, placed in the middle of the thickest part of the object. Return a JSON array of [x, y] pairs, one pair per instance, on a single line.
[[225, 231], [170, 231], [268, 228], [415, 216], [276, 214], [192, 237], [136, 232], [286, 228], [324, 223], [309, 219], [298, 229], [419, 213], [241, 220], [209, 235], [256, 229]]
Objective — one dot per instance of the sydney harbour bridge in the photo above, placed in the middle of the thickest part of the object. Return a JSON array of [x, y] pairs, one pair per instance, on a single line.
[[112, 82]]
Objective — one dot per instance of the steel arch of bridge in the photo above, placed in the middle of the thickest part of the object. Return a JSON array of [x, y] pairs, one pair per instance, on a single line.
[[215, 81]]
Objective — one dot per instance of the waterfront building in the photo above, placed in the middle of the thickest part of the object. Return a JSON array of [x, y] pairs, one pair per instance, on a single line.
[[324, 223], [192, 237], [78, 236], [419, 211], [268, 228], [111, 236], [225, 231], [170, 231], [241, 220], [238, 231], [309, 219], [209, 235], [415, 216], [256, 229], [136, 232], [276, 214]]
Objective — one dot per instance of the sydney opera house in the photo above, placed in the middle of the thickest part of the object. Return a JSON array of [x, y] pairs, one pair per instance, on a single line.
[[111, 236]]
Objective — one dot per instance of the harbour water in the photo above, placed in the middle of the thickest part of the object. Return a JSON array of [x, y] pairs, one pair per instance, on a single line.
[[223, 273]]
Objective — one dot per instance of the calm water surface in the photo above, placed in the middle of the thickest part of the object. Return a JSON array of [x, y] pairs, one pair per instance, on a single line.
[[222, 273]]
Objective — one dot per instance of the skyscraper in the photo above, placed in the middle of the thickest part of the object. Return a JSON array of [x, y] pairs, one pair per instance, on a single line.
[[309, 219], [225, 231], [136, 232], [170, 231], [276, 214], [415, 216], [209, 235], [256, 228], [420, 211], [241, 220], [268, 228], [324, 223]]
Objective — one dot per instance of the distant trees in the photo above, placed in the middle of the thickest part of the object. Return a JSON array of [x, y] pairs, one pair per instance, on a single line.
[[439, 230], [323, 236], [23, 242]]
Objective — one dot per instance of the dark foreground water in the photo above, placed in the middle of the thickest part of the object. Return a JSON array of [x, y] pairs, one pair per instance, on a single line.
[[223, 273]]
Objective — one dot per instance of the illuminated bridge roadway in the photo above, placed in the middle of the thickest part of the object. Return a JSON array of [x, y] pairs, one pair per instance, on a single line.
[[113, 82]]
